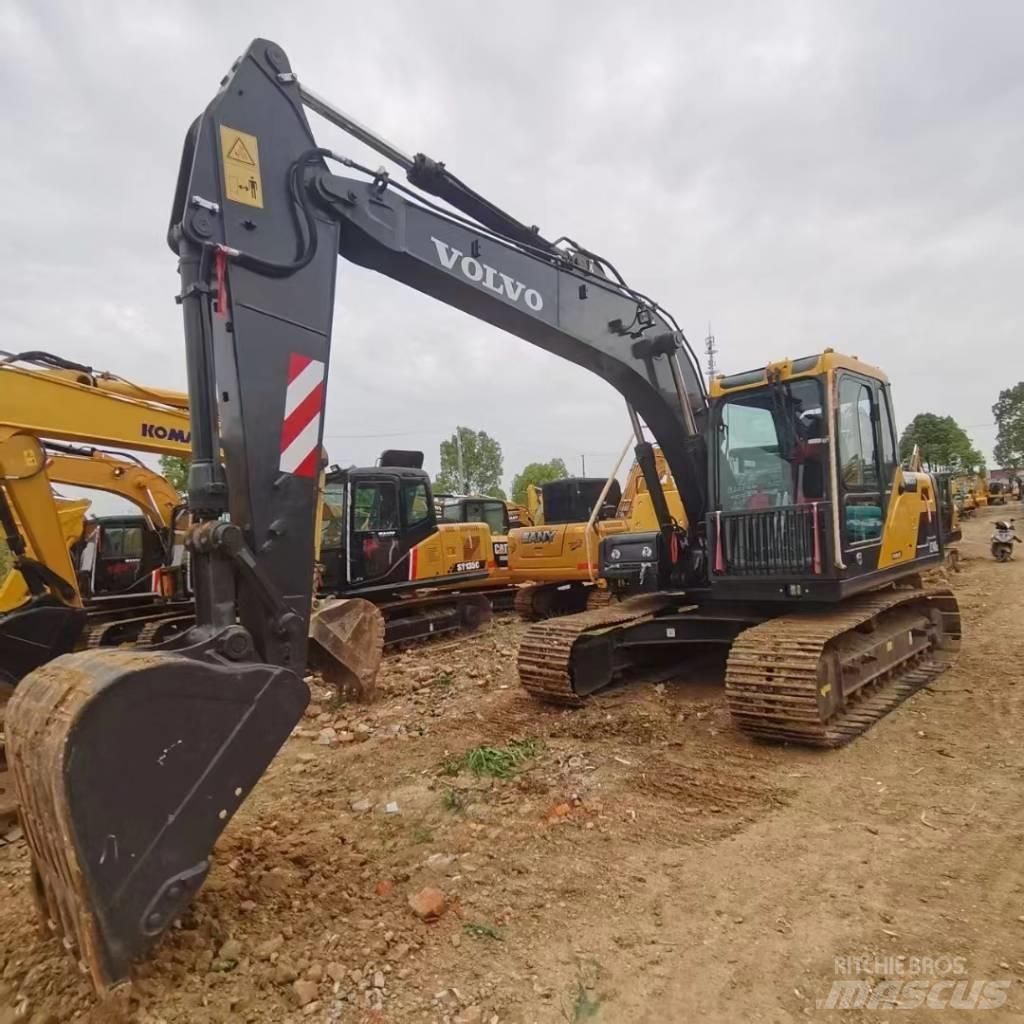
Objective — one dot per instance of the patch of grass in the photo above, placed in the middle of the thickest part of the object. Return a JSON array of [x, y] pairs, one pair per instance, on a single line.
[[445, 680], [499, 762], [482, 931], [584, 1007], [422, 834], [451, 799]]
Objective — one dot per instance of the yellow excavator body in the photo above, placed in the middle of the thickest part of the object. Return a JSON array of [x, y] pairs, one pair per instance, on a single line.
[[566, 553]]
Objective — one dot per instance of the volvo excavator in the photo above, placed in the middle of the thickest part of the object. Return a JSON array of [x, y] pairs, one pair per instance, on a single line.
[[803, 547]]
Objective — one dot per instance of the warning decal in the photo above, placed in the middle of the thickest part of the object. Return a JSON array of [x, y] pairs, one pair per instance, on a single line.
[[242, 182]]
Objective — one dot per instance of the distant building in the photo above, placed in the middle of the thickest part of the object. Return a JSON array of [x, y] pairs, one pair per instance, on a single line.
[[1004, 474]]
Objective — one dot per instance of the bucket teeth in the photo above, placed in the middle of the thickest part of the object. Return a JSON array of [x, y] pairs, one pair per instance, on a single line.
[[127, 766]]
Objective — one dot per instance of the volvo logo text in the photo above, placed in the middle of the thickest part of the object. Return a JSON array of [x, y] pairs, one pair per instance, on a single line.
[[482, 274]]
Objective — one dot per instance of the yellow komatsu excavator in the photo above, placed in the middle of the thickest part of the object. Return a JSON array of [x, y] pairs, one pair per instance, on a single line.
[[802, 550], [48, 400], [556, 562]]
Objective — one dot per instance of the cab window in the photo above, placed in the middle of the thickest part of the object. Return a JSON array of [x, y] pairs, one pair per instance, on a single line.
[[889, 460], [122, 542], [858, 455], [414, 498], [374, 506]]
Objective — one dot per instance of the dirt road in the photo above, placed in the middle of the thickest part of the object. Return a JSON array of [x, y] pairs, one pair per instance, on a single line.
[[640, 861]]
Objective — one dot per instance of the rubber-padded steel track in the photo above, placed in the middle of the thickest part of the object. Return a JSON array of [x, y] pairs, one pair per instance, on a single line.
[[546, 652], [778, 670]]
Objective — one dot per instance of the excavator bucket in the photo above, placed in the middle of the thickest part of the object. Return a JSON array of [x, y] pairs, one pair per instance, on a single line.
[[127, 766], [347, 646]]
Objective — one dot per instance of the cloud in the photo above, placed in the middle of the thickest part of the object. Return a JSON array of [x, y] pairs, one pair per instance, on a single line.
[[799, 174]]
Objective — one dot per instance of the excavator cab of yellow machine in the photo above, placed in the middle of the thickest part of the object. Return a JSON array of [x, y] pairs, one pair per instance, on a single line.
[[811, 502]]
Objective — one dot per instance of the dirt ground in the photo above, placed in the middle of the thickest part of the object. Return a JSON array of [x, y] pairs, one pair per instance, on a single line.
[[642, 862]]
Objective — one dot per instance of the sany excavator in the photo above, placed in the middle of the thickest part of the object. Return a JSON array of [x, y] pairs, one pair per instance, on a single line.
[[803, 550], [556, 562]]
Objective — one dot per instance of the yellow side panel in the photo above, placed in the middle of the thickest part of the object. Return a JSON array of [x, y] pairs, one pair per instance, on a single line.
[[899, 534]]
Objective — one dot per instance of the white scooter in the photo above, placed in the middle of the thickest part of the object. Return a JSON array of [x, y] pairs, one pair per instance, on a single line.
[[1003, 540]]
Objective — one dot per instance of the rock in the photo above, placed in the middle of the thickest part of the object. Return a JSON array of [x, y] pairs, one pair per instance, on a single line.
[[328, 737], [440, 862], [391, 808], [315, 972], [471, 1015], [383, 887], [248, 905], [428, 904], [307, 758], [231, 950], [276, 880], [346, 737], [310, 1008], [363, 730], [378, 979], [336, 972], [265, 949], [361, 806], [399, 951], [305, 991], [284, 973]]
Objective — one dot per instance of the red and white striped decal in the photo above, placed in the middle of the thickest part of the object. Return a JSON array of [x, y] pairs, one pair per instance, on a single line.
[[300, 432]]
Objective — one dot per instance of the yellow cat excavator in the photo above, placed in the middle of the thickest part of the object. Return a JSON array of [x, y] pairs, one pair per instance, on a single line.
[[802, 550]]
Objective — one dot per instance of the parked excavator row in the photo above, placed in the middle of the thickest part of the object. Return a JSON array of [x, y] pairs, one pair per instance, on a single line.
[[387, 556], [802, 550]]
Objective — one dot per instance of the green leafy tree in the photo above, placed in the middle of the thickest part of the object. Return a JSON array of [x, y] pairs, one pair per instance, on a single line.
[[944, 444], [482, 464], [5, 561], [537, 473], [174, 469], [1009, 417]]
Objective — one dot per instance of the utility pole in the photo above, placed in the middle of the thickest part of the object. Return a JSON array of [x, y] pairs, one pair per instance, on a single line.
[[458, 454], [712, 350], [583, 463]]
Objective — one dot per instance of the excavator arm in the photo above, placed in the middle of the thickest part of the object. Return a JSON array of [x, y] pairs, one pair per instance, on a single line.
[[154, 751]]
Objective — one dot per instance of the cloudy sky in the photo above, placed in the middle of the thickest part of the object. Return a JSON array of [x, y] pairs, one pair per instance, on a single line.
[[797, 174]]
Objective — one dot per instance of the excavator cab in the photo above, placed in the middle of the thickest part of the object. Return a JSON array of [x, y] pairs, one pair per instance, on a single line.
[[118, 555], [809, 499], [373, 520]]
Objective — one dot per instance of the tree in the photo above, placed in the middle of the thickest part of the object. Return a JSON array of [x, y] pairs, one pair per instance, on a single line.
[[943, 442], [482, 464], [1009, 417], [175, 470], [537, 473]]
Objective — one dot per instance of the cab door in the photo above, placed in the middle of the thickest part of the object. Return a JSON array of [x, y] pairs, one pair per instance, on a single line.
[[864, 491], [374, 540]]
